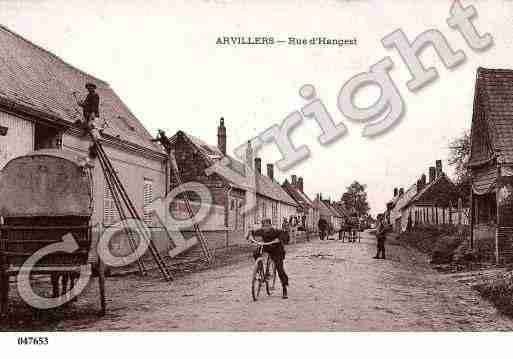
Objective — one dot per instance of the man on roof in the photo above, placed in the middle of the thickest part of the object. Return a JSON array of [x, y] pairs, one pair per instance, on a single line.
[[90, 106]]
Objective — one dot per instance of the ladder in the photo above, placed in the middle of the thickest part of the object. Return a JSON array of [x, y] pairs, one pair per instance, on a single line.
[[207, 253], [122, 201]]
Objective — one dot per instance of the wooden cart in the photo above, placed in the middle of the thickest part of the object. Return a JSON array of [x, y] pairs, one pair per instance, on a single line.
[[46, 196]]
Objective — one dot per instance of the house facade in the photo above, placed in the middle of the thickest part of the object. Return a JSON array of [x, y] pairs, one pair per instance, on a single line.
[[491, 164], [438, 202], [306, 207], [329, 212], [230, 193], [38, 111]]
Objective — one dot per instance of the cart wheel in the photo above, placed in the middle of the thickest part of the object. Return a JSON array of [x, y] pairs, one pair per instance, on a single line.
[[4, 294]]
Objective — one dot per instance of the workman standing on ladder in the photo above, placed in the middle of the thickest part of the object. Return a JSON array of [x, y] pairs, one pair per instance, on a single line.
[[90, 105], [90, 109]]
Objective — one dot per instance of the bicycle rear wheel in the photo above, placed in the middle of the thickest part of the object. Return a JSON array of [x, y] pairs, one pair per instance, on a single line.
[[271, 277], [257, 279]]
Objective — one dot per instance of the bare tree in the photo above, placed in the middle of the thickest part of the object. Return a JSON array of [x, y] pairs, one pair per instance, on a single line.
[[459, 154]]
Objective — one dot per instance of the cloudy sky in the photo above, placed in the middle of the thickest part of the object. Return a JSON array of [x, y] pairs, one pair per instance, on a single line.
[[162, 59]]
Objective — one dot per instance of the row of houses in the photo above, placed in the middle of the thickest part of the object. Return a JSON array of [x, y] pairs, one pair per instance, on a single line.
[[429, 201], [490, 211], [38, 110]]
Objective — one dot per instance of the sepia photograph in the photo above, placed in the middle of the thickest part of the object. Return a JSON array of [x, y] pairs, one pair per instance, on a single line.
[[287, 167]]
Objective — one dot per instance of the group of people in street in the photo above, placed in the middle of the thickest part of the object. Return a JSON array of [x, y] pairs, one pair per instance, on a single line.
[[279, 238], [348, 229], [293, 225]]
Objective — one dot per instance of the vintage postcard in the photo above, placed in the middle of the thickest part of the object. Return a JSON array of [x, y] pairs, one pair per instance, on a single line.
[[256, 166]]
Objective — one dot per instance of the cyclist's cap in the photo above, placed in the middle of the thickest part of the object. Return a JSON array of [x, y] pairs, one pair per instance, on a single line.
[[266, 221]]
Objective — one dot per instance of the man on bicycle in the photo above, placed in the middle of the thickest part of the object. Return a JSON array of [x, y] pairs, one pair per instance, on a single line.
[[276, 250]]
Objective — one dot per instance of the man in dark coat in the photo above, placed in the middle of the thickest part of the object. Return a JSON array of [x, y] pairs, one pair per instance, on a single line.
[[323, 228], [381, 231], [276, 250], [90, 106]]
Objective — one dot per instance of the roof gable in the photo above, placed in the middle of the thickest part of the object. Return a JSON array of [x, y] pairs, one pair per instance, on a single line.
[[442, 191], [492, 118], [264, 185], [35, 78], [300, 197]]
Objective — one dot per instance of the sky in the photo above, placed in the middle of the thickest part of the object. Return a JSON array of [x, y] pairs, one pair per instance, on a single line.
[[161, 57]]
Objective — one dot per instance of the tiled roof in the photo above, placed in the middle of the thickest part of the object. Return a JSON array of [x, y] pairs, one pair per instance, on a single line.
[[333, 210], [419, 197], [492, 119], [300, 197], [341, 209], [265, 186], [41, 81], [323, 209]]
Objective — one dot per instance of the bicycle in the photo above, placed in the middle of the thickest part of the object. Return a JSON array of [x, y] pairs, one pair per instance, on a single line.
[[263, 273]]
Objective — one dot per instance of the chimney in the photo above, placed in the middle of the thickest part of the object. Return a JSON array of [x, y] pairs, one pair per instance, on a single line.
[[249, 155], [432, 174], [401, 191], [270, 171], [300, 183], [438, 168], [294, 180], [258, 165], [423, 180], [221, 137], [395, 192], [419, 185]]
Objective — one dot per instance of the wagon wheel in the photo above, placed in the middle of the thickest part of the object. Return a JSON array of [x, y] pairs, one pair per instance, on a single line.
[[4, 293]]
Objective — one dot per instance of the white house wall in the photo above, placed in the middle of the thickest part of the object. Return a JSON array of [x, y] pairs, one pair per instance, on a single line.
[[19, 140], [132, 171]]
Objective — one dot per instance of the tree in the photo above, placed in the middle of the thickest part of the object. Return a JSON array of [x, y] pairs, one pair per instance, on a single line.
[[355, 199], [459, 154]]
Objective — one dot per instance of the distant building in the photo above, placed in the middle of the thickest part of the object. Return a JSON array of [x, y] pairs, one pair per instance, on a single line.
[[491, 164], [427, 203], [194, 156], [306, 207], [333, 216]]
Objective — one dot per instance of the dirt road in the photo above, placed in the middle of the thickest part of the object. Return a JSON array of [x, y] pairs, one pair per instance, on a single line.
[[333, 286]]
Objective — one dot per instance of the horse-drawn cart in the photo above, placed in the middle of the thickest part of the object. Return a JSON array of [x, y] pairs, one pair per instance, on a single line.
[[46, 201]]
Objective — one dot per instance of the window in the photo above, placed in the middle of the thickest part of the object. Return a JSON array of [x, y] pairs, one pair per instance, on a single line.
[[148, 199], [46, 137], [109, 208], [486, 208], [257, 211], [275, 212]]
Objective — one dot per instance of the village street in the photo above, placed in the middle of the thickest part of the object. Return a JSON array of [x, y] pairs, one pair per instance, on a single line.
[[334, 286]]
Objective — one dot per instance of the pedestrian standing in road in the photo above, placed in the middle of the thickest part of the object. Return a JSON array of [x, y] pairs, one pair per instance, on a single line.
[[381, 231], [276, 251], [293, 228], [323, 227], [285, 224]]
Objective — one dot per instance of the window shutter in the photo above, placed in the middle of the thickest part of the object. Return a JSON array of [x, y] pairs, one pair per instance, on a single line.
[[109, 208], [148, 199]]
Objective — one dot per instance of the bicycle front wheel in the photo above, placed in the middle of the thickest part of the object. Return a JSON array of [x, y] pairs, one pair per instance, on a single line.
[[257, 279], [271, 277]]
